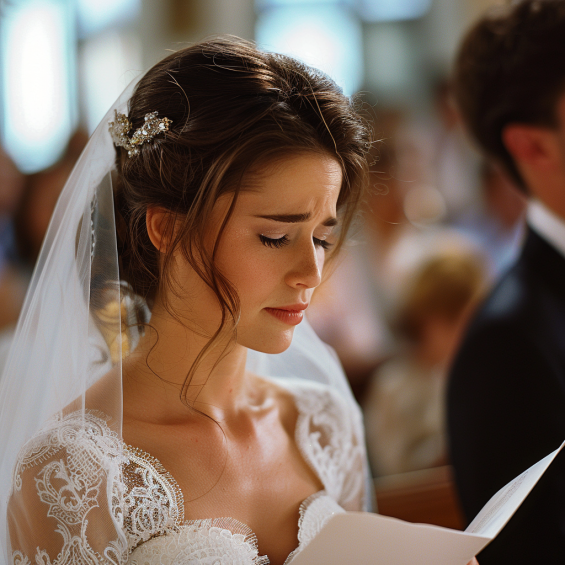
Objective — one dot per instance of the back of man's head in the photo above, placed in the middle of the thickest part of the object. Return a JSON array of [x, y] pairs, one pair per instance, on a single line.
[[511, 69]]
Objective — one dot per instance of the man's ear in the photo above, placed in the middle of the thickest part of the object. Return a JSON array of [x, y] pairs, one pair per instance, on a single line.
[[532, 146], [160, 227]]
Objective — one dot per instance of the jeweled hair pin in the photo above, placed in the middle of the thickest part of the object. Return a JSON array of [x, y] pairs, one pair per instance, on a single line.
[[121, 126]]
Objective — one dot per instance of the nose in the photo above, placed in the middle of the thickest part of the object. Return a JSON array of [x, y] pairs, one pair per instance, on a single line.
[[306, 271]]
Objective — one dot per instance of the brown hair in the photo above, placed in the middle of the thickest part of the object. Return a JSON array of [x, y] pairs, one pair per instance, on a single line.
[[233, 108], [444, 287], [511, 68]]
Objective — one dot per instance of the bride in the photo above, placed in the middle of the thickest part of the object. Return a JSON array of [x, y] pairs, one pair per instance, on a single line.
[[164, 401], [237, 174]]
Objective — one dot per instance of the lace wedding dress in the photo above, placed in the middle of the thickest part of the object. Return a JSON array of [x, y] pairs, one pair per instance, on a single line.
[[71, 491], [70, 472]]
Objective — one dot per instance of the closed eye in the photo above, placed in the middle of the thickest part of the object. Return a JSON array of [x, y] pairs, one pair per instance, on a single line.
[[284, 240], [270, 242], [323, 243]]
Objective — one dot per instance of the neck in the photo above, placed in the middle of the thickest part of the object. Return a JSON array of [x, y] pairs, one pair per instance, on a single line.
[[549, 201], [547, 188], [167, 370]]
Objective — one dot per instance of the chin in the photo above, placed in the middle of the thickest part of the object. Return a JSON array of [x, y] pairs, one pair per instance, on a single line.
[[269, 342]]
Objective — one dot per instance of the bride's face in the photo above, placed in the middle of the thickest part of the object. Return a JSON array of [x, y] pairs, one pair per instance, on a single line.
[[272, 250]]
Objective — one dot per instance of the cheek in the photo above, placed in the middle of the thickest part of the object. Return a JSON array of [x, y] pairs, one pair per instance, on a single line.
[[321, 253], [253, 272]]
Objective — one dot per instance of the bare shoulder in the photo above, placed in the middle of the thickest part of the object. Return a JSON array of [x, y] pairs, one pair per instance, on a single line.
[[271, 392], [104, 396], [296, 396]]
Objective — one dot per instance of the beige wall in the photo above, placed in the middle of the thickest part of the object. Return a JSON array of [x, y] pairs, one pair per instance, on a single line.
[[476, 8], [165, 23]]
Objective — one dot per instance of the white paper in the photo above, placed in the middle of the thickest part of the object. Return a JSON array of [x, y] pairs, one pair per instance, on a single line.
[[369, 539], [362, 538], [501, 507]]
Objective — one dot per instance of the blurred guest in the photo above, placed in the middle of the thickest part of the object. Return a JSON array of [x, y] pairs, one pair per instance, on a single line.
[[498, 225], [403, 222], [38, 201], [505, 207], [31, 215], [404, 408], [441, 158], [11, 187], [506, 399], [353, 310], [455, 164], [347, 310]]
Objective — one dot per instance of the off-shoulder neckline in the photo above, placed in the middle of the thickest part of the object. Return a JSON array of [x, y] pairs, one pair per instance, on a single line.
[[250, 535]]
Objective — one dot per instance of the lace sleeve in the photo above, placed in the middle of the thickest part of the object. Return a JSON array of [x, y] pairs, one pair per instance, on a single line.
[[329, 435], [65, 501]]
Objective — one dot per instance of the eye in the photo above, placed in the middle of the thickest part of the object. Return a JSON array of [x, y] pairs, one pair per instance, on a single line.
[[323, 243], [269, 242]]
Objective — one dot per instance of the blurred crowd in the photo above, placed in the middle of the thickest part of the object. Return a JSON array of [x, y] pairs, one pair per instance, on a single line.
[[26, 205]]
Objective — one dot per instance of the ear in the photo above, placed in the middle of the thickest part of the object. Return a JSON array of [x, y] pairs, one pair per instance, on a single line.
[[533, 146], [160, 224]]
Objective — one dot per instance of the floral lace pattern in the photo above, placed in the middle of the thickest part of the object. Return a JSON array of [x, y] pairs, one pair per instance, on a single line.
[[153, 503], [326, 438], [221, 541], [81, 460]]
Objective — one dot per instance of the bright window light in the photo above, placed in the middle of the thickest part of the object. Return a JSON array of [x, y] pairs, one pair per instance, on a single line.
[[388, 10], [261, 4], [324, 36], [38, 95], [108, 63], [97, 15]]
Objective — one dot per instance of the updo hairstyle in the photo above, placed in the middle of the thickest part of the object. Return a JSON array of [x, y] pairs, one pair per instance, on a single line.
[[233, 109]]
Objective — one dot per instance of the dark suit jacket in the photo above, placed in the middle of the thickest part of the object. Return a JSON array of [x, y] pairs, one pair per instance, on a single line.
[[506, 405]]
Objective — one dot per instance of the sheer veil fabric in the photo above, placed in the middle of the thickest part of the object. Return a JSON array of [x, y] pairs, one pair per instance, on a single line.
[[59, 350], [61, 390]]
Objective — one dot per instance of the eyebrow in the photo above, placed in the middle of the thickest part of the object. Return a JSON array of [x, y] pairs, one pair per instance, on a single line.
[[296, 219]]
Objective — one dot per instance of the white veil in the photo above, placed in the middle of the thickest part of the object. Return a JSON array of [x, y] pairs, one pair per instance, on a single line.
[[65, 363], [59, 349]]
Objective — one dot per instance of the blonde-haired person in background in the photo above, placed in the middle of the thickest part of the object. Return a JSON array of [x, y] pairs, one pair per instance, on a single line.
[[404, 407]]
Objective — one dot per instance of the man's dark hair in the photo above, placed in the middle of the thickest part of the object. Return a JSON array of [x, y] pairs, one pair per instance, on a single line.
[[511, 69]]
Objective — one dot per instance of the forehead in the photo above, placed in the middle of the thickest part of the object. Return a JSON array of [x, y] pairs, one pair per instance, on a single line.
[[307, 181]]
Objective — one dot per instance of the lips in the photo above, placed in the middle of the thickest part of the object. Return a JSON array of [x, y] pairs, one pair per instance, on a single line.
[[291, 315]]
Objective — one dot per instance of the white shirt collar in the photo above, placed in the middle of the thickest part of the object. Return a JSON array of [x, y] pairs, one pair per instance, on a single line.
[[547, 223]]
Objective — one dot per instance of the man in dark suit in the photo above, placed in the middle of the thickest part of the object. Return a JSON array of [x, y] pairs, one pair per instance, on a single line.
[[506, 396]]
